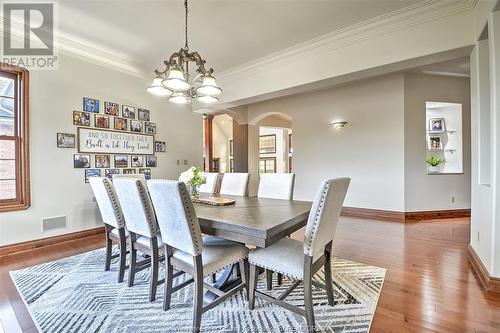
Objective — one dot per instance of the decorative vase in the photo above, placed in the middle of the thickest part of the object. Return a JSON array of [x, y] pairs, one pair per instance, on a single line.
[[195, 191], [434, 168]]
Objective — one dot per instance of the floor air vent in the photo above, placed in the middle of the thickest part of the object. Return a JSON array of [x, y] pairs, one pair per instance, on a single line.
[[52, 223]]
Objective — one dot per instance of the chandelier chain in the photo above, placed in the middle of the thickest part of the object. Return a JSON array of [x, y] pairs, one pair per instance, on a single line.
[[186, 24]]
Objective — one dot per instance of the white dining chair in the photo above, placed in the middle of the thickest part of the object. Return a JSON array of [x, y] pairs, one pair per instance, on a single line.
[[275, 186], [210, 187], [301, 260], [186, 251], [139, 176], [141, 223], [114, 222], [234, 184]]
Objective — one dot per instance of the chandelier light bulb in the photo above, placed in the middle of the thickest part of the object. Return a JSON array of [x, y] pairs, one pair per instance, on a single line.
[[176, 80], [156, 88], [179, 98], [209, 86], [207, 99]]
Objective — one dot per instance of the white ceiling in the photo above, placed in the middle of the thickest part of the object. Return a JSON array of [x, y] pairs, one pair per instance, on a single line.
[[227, 33]]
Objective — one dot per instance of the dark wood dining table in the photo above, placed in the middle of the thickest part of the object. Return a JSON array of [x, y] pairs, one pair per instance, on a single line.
[[253, 221]]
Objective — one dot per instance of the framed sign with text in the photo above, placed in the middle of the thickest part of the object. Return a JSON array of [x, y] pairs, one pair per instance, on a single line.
[[99, 141]]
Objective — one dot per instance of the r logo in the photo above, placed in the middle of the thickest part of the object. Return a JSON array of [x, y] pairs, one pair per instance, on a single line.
[[37, 22]]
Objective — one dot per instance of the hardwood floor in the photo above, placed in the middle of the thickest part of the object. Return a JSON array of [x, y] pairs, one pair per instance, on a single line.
[[429, 286]]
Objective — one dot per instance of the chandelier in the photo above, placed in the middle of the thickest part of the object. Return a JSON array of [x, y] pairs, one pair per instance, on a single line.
[[175, 81]]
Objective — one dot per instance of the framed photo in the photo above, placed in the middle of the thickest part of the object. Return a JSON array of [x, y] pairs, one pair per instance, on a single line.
[[121, 161], [101, 121], [149, 128], [151, 161], [110, 172], [111, 109], [137, 162], [102, 161], [437, 125], [146, 172], [129, 171], [143, 114], [435, 142], [81, 118], [90, 105], [160, 146], [121, 124], [65, 140], [136, 126], [81, 161], [92, 173], [128, 111]]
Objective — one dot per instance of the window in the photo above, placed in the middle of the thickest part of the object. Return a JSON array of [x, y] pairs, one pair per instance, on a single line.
[[290, 164], [230, 147], [14, 153], [231, 167], [267, 165], [290, 149], [267, 144]]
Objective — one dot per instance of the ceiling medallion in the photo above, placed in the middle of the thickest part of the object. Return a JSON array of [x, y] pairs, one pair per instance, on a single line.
[[175, 81]]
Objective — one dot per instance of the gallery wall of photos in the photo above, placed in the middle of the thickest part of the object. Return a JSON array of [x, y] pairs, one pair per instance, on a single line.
[[113, 118]]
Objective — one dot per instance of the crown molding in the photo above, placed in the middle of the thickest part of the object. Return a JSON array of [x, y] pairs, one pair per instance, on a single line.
[[73, 47], [409, 16]]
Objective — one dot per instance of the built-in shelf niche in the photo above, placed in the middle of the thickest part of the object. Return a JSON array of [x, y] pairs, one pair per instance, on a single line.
[[443, 124]]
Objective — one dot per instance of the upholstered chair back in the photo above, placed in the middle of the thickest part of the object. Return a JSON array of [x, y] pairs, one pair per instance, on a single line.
[[324, 215], [136, 206], [276, 186], [234, 184], [105, 195], [211, 185], [140, 176], [177, 219]]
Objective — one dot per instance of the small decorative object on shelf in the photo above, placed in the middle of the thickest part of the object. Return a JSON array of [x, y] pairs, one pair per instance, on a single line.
[[434, 163], [194, 178]]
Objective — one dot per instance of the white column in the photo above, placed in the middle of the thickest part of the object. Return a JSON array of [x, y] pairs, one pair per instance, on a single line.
[[494, 54]]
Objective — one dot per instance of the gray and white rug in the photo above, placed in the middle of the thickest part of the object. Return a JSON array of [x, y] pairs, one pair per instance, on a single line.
[[74, 294]]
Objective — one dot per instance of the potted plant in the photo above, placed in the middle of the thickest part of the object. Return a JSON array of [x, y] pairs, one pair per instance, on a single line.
[[434, 163], [194, 178]]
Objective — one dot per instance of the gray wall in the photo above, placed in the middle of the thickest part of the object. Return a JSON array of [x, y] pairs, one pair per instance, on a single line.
[[59, 189], [433, 192]]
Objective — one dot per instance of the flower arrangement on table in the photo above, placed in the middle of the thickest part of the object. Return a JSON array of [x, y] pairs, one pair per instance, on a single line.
[[194, 178]]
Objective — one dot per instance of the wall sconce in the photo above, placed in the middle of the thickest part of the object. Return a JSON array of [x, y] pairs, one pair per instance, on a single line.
[[339, 124]]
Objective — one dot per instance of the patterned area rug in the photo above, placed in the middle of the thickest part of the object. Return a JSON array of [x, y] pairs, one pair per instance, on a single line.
[[74, 294]]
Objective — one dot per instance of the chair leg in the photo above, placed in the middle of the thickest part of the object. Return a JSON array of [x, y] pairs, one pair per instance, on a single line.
[[133, 260], [169, 280], [254, 276], [328, 279], [153, 283], [123, 255], [308, 300], [269, 279], [244, 274], [198, 299], [280, 279], [109, 247]]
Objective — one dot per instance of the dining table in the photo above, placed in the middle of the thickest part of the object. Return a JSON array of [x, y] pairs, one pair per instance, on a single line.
[[253, 221]]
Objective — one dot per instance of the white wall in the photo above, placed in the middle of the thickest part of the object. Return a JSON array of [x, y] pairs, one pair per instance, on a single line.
[[371, 144], [482, 223], [58, 189], [425, 192]]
